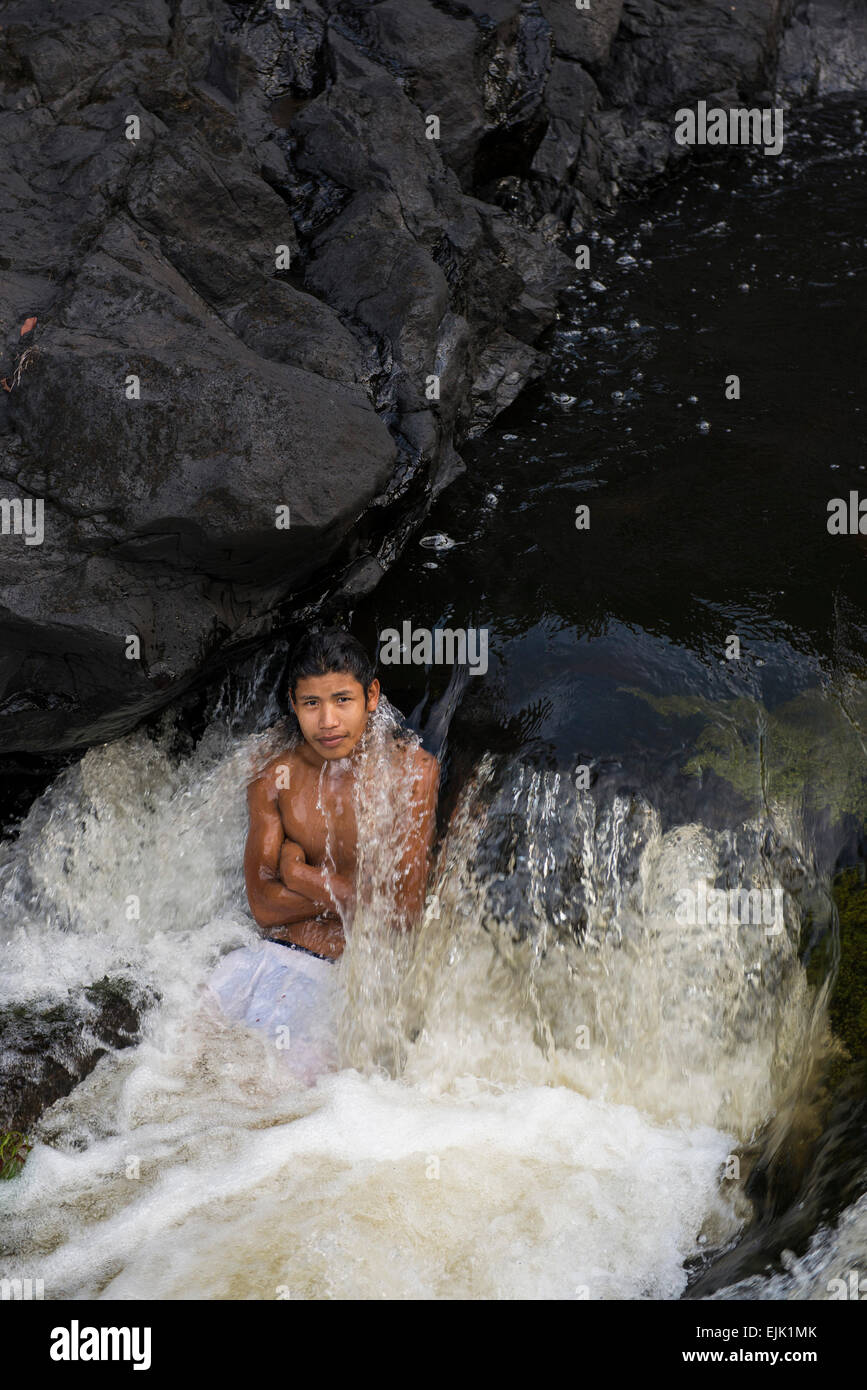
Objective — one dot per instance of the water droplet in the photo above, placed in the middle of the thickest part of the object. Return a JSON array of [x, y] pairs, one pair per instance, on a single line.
[[438, 541], [703, 427]]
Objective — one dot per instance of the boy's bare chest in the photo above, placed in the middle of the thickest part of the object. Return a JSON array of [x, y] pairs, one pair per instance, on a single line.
[[320, 817]]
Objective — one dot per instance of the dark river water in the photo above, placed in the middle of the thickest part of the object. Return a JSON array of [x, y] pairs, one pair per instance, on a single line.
[[615, 1101], [708, 517]]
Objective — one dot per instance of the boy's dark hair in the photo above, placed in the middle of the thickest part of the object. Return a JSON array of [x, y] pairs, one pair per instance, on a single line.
[[324, 650]]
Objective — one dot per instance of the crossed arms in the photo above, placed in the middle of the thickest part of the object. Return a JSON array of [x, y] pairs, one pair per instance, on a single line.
[[282, 888]]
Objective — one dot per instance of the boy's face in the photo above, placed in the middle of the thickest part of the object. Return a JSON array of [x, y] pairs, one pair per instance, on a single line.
[[332, 711]]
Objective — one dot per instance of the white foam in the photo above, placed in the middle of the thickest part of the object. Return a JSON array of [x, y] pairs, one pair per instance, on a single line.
[[466, 1148]]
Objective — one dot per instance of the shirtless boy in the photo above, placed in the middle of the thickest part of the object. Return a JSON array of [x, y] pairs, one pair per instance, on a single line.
[[300, 858]]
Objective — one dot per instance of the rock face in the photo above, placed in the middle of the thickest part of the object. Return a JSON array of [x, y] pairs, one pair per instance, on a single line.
[[282, 263], [45, 1053], [825, 50]]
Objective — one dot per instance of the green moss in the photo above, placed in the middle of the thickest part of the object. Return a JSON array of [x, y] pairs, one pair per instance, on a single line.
[[26, 1015], [810, 751], [849, 1002], [14, 1148], [110, 990], [104, 993]]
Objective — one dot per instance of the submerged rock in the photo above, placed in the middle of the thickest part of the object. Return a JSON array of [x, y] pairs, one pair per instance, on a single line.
[[45, 1052]]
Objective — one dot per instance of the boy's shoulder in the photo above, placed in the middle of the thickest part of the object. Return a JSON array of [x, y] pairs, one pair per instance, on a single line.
[[424, 765], [278, 768]]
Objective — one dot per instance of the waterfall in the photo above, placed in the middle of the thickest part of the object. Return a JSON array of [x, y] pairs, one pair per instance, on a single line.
[[553, 1088]]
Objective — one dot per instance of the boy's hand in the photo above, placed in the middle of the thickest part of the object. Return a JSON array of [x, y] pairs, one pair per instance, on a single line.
[[328, 891], [343, 891], [290, 854]]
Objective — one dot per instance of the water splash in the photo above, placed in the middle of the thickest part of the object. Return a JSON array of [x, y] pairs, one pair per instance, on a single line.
[[541, 1088]]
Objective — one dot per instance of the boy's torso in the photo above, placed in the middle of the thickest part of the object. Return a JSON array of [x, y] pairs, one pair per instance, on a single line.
[[318, 813]]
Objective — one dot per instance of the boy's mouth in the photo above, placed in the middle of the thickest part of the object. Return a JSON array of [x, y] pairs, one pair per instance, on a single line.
[[332, 740]]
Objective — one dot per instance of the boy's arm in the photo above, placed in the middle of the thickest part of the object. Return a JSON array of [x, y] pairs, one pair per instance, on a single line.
[[414, 864], [327, 891], [271, 903], [290, 852]]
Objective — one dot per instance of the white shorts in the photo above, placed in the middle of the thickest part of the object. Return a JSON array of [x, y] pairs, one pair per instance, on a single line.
[[286, 993]]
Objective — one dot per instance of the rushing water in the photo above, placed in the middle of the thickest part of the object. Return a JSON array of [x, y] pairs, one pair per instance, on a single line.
[[557, 1087]]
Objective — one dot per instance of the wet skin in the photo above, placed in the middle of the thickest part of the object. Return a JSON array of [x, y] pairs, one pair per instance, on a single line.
[[299, 862]]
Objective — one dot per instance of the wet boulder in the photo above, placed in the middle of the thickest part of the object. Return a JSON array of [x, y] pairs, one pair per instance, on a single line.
[[46, 1051], [265, 266]]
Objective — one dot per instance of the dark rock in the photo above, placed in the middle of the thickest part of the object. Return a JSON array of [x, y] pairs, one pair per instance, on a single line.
[[585, 35], [670, 55], [570, 97], [44, 1053], [825, 50], [320, 301]]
